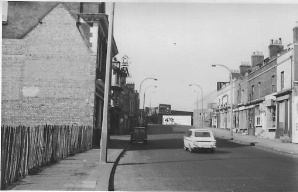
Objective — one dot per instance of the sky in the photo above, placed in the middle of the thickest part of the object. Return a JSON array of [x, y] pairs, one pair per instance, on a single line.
[[178, 42]]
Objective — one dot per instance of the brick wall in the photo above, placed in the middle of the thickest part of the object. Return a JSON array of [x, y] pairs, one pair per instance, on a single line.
[[48, 77], [262, 75]]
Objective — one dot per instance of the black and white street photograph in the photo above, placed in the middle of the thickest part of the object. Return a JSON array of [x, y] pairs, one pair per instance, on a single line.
[[149, 95]]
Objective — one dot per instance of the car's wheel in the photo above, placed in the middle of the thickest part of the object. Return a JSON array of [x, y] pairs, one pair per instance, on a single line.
[[212, 150], [190, 149], [146, 142]]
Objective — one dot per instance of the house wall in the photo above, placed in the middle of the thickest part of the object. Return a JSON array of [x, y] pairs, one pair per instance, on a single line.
[[48, 76], [263, 75], [284, 63]]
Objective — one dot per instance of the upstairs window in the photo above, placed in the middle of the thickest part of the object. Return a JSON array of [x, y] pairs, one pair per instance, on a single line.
[[282, 80], [259, 89], [273, 83], [252, 92]]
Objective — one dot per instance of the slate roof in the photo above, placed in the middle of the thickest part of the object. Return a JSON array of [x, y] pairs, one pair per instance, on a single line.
[[24, 16]]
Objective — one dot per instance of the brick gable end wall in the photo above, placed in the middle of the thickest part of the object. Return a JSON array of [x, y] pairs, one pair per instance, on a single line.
[[48, 77]]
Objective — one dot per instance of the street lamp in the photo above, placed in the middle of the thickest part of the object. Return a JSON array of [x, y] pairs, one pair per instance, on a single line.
[[231, 81], [140, 88], [144, 96], [150, 98], [198, 101]]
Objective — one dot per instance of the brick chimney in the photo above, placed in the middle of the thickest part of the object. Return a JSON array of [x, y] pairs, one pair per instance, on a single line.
[[275, 48], [244, 69], [295, 33], [257, 58]]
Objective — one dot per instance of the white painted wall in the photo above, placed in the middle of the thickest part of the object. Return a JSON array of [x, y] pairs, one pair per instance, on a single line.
[[176, 120], [284, 64]]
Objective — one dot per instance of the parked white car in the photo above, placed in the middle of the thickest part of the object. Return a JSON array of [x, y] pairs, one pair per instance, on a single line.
[[196, 139]]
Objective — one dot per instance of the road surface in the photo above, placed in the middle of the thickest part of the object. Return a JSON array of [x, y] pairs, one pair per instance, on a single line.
[[163, 165]]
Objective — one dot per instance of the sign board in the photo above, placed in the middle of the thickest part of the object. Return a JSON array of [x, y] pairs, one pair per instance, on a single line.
[[176, 120], [164, 109], [268, 102]]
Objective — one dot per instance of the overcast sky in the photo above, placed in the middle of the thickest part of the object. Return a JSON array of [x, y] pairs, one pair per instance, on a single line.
[[178, 42]]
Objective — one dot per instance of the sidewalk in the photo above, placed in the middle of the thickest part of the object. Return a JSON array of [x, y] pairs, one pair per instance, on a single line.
[[271, 144], [81, 172]]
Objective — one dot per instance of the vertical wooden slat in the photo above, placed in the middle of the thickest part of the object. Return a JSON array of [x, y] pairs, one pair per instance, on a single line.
[[25, 148]]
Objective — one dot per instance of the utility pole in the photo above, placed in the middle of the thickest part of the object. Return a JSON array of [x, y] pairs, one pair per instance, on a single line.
[[104, 132]]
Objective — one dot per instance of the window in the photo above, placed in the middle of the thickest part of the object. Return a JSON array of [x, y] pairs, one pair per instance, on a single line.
[[282, 80], [202, 134], [258, 120], [273, 110], [259, 89], [252, 92], [273, 83], [239, 94]]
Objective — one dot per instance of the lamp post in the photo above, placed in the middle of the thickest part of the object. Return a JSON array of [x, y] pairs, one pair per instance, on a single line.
[[144, 96], [198, 101], [231, 102], [150, 98], [140, 88]]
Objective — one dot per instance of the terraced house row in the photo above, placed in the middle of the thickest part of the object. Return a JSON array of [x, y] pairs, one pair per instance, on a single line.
[[265, 94]]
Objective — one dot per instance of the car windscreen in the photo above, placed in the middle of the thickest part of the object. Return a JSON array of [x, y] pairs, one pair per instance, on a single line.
[[202, 134]]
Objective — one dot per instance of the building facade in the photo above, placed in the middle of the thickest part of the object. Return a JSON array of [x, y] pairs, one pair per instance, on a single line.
[[124, 104], [53, 63], [265, 95]]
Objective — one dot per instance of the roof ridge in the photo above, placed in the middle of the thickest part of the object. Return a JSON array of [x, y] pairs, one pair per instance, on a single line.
[[41, 18]]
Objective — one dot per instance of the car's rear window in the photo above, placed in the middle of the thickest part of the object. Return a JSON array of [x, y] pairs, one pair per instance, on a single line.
[[202, 134], [139, 130]]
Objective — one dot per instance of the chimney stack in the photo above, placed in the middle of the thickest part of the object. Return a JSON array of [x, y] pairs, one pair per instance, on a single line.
[[295, 33], [275, 48], [257, 58], [244, 68]]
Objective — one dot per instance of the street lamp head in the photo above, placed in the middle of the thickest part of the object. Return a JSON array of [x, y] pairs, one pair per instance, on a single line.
[[213, 65], [155, 79]]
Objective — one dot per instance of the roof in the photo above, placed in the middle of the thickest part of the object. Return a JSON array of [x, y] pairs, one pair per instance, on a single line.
[[24, 16], [200, 130], [175, 112]]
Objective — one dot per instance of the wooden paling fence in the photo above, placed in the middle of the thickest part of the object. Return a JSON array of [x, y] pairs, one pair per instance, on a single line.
[[25, 149]]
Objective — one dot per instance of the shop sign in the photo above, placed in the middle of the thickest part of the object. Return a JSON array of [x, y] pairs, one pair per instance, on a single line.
[[268, 102]]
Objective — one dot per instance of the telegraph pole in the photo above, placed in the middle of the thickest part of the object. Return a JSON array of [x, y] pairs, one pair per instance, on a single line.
[[104, 132]]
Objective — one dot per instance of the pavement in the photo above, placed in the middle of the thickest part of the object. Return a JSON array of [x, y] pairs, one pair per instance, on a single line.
[[81, 172], [269, 144]]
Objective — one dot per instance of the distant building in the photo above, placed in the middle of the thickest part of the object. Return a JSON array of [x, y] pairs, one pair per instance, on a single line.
[[167, 116], [125, 100]]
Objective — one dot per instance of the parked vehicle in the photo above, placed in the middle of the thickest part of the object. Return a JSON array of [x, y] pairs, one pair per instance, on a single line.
[[138, 134], [199, 139]]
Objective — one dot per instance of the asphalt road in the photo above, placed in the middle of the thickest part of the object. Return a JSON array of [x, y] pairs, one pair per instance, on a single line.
[[163, 165]]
